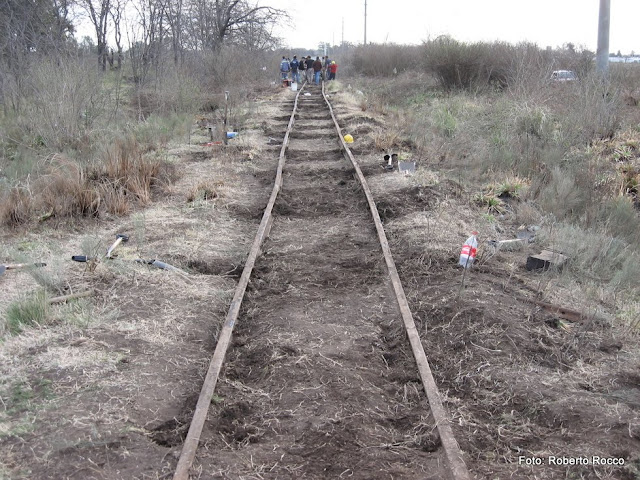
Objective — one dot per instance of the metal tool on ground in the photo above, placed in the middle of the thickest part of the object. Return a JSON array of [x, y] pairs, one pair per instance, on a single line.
[[389, 164], [119, 239], [163, 266], [82, 258], [18, 266]]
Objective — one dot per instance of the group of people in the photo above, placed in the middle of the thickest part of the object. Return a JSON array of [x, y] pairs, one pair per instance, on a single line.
[[308, 69]]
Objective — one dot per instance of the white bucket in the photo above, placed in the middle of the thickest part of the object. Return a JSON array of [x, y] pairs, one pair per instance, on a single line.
[[294, 86]]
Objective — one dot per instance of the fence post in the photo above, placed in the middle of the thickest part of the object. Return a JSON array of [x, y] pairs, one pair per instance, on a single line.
[[226, 112]]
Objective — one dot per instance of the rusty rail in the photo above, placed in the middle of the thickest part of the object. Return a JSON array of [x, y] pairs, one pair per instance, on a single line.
[[452, 449], [206, 394]]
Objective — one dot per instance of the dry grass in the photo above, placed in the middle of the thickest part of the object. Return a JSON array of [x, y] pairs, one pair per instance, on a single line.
[[16, 206], [205, 191], [122, 179]]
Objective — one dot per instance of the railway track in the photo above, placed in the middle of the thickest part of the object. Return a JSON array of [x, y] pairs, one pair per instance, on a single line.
[[325, 376]]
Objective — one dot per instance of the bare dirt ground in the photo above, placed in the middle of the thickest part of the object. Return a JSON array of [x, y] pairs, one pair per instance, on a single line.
[[315, 387], [319, 382]]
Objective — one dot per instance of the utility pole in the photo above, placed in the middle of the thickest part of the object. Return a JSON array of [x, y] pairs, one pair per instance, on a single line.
[[342, 32], [602, 55], [365, 22]]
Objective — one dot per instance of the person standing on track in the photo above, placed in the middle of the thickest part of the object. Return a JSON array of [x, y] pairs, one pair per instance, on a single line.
[[317, 70], [302, 67], [333, 69], [295, 77], [325, 67], [284, 68], [309, 62]]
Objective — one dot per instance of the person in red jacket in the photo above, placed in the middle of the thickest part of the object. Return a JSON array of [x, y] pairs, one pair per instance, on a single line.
[[317, 70], [333, 69]]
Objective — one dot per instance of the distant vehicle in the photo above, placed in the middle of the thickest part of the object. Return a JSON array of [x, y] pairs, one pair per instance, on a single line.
[[563, 76]]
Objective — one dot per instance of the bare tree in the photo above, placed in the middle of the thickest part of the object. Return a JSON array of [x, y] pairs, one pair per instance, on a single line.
[[215, 22], [174, 15], [99, 11], [28, 30], [144, 37], [117, 13]]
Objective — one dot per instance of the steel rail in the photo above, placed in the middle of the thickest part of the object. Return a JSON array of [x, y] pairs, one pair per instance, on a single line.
[[192, 440], [452, 449]]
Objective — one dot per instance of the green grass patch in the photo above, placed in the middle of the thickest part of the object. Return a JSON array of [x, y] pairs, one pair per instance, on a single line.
[[28, 311]]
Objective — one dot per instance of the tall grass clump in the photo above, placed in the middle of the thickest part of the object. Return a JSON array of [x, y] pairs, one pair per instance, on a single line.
[[596, 255], [122, 176], [28, 311], [65, 190], [16, 205]]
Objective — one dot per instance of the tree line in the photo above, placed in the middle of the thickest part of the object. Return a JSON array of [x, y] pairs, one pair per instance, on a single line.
[[146, 30]]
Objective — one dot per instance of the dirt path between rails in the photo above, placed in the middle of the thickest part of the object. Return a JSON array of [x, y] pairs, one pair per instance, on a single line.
[[316, 385]]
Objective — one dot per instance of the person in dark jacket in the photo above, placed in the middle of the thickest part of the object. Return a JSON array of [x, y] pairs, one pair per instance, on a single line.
[[302, 67], [294, 69], [317, 70], [309, 62]]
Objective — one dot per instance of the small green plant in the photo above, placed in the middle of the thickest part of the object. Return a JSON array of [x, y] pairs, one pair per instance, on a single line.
[[491, 202], [623, 153], [510, 188], [446, 121], [30, 310]]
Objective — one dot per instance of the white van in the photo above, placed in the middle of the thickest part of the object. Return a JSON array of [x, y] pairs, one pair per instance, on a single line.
[[563, 76]]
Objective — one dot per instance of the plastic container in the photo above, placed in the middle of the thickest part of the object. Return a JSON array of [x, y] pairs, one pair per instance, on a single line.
[[469, 250], [232, 134], [294, 86]]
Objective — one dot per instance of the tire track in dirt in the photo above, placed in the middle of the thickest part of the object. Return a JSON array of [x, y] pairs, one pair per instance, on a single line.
[[319, 382]]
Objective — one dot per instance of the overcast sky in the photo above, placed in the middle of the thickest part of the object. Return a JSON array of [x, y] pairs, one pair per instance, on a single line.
[[544, 22]]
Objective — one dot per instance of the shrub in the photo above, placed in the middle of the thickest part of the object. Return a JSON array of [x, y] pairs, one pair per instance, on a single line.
[[65, 98], [458, 65], [375, 60], [588, 110]]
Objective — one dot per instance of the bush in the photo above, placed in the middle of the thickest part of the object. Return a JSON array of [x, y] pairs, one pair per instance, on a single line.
[[64, 100], [386, 60], [458, 65]]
